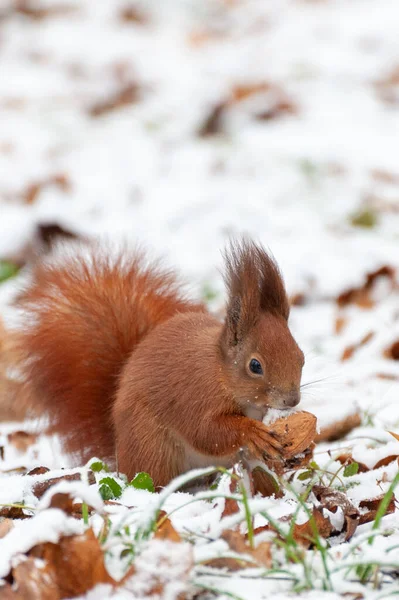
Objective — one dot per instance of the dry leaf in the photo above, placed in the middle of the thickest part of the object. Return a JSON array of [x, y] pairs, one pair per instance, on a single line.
[[33, 10], [13, 512], [339, 429], [42, 486], [33, 581], [340, 324], [75, 564], [261, 555], [347, 459], [5, 526], [127, 94], [21, 440], [165, 529], [58, 180], [362, 296], [213, 123], [392, 351], [131, 14], [38, 471], [332, 500], [304, 533], [383, 462], [350, 350], [372, 506]]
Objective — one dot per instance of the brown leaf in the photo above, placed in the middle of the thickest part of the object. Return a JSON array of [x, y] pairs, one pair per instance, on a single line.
[[372, 506], [383, 462], [127, 94], [347, 459], [265, 483], [131, 14], [362, 295], [21, 440], [34, 582], [304, 533], [340, 324], [13, 512], [392, 351], [5, 526], [261, 554], [34, 11], [350, 350], [58, 180], [339, 429], [242, 92], [165, 529], [281, 107], [332, 500], [213, 123], [298, 299], [75, 564], [38, 471], [42, 486]]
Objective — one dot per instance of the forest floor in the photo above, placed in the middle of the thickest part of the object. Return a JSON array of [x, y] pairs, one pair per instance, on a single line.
[[176, 125]]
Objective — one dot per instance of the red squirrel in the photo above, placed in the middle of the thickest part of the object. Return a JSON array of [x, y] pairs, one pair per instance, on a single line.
[[127, 368]]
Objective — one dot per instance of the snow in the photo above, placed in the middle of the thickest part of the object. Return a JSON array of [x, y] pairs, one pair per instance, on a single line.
[[143, 174], [47, 526]]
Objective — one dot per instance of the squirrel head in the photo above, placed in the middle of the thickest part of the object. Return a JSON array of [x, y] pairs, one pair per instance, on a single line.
[[263, 361]]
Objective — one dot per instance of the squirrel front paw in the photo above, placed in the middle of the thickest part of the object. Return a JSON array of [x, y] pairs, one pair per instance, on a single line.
[[263, 443]]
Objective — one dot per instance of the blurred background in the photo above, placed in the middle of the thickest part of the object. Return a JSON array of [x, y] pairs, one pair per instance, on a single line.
[[179, 123]]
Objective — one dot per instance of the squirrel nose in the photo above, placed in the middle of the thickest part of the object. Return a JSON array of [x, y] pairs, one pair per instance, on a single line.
[[291, 399]]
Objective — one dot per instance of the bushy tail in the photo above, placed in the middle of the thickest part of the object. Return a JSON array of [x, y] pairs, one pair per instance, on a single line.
[[84, 314]]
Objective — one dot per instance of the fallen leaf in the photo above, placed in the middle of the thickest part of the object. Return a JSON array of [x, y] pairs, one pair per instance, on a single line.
[[131, 14], [213, 123], [21, 440], [347, 459], [75, 564], [392, 351], [126, 95], [340, 324], [363, 295], [33, 581], [350, 350], [339, 429], [383, 462], [261, 554], [13, 512], [372, 505], [38, 471], [42, 486], [35, 11], [59, 180], [332, 499], [304, 533], [5, 526], [165, 529]]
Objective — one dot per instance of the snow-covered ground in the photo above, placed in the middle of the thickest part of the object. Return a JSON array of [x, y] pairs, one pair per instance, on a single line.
[[178, 124]]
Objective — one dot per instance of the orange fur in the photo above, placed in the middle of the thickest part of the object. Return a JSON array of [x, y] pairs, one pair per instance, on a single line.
[[124, 364]]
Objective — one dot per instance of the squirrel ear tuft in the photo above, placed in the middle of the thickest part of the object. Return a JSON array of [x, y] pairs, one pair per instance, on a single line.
[[254, 285]]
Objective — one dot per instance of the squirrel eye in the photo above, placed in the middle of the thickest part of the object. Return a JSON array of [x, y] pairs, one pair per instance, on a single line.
[[255, 367]]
